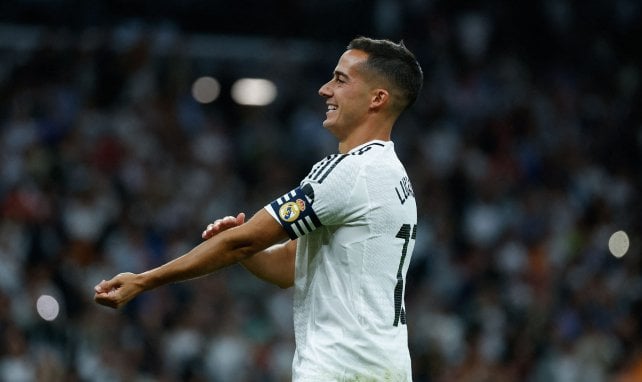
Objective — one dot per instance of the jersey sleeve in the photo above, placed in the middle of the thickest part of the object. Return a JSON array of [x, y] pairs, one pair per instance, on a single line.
[[329, 195], [340, 194]]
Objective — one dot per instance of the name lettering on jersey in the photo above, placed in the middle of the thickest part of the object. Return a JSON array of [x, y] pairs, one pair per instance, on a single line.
[[404, 191]]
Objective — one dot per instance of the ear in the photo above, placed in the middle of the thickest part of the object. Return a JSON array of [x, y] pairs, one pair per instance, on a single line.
[[380, 97]]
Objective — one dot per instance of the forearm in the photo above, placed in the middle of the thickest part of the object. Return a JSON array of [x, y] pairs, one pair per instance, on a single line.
[[203, 259], [207, 257], [274, 264], [229, 247]]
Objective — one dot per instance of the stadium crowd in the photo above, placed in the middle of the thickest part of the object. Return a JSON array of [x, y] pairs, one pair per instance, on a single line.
[[524, 153]]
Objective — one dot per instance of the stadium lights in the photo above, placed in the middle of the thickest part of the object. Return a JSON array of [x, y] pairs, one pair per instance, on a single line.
[[245, 91], [206, 89], [254, 92]]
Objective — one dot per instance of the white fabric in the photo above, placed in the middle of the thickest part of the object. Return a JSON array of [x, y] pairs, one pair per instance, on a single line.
[[347, 269]]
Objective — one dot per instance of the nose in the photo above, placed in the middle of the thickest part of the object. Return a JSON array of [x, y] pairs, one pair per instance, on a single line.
[[325, 91]]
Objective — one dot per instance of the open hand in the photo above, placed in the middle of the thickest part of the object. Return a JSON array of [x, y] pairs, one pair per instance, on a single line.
[[222, 224]]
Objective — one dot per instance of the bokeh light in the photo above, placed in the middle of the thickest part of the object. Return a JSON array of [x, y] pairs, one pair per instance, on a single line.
[[619, 243], [47, 307], [206, 89], [254, 92]]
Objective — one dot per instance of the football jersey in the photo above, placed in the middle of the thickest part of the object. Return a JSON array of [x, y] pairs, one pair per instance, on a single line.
[[355, 219]]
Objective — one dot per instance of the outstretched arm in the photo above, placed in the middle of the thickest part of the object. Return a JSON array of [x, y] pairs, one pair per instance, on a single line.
[[274, 264], [228, 247]]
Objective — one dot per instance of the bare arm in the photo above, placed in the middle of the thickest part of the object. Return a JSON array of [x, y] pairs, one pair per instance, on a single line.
[[274, 264], [224, 249]]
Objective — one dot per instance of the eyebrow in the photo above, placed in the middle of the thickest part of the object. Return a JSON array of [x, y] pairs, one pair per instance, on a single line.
[[338, 73]]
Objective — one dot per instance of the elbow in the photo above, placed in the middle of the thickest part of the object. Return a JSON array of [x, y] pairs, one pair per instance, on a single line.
[[244, 252], [285, 279], [285, 284], [242, 249]]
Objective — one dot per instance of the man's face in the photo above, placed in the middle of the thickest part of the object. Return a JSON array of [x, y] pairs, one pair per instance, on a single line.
[[347, 94]]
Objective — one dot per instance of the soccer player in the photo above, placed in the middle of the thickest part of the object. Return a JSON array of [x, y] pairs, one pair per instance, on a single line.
[[343, 238]]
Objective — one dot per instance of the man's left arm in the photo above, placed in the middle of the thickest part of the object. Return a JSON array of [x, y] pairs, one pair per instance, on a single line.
[[274, 264]]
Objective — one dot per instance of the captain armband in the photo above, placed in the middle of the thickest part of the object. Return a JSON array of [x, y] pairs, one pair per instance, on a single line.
[[295, 213]]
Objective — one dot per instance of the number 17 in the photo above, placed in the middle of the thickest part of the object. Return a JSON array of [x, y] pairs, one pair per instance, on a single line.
[[406, 234]]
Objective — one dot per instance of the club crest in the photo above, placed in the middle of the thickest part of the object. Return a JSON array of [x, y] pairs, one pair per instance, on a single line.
[[290, 211]]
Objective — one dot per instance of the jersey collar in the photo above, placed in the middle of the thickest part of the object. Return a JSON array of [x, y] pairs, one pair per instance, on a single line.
[[384, 143]]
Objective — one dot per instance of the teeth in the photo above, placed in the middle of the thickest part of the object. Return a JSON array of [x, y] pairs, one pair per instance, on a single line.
[[332, 107]]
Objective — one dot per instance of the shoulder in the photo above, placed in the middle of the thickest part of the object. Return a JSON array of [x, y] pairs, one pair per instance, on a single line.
[[348, 165]]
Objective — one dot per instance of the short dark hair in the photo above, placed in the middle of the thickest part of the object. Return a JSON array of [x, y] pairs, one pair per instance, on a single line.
[[395, 63]]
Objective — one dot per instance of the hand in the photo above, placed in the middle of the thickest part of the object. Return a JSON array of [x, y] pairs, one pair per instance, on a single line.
[[118, 291], [222, 224]]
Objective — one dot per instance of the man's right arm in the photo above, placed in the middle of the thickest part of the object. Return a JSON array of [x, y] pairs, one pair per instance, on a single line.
[[229, 247]]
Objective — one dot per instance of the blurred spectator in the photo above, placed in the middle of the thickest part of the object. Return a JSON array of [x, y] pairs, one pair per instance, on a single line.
[[524, 151]]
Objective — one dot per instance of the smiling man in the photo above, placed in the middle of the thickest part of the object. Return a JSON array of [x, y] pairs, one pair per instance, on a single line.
[[343, 238]]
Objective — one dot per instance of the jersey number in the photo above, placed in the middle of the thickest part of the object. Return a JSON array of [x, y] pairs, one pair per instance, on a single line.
[[406, 232]]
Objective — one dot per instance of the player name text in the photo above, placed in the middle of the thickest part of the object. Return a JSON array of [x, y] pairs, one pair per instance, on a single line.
[[404, 191]]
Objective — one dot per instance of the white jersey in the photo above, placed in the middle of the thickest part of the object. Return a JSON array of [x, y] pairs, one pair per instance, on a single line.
[[355, 219]]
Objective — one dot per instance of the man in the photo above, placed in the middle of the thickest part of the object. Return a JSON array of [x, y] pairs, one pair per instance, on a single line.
[[351, 226]]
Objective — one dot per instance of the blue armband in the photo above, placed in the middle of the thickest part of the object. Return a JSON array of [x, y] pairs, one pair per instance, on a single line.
[[295, 213]]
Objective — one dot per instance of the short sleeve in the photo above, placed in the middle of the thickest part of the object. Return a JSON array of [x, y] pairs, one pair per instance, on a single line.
[[340, 194], [333, 193]]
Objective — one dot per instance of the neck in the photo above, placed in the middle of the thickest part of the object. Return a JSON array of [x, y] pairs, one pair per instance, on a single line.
[[379, 131], [352, 142]]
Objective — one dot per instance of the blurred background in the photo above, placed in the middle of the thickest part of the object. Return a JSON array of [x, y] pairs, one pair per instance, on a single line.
[[127, 126]]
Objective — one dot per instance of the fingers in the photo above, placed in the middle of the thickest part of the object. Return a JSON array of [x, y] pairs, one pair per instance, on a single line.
[[211, 229], [104, 286], [99, 287], [110, 292], [222, 224], [104, 293], [106, 300]]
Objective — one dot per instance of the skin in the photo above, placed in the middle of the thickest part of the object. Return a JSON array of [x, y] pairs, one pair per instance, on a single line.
[[227, 247], [359, 106], [359, 110], [274, 265]]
